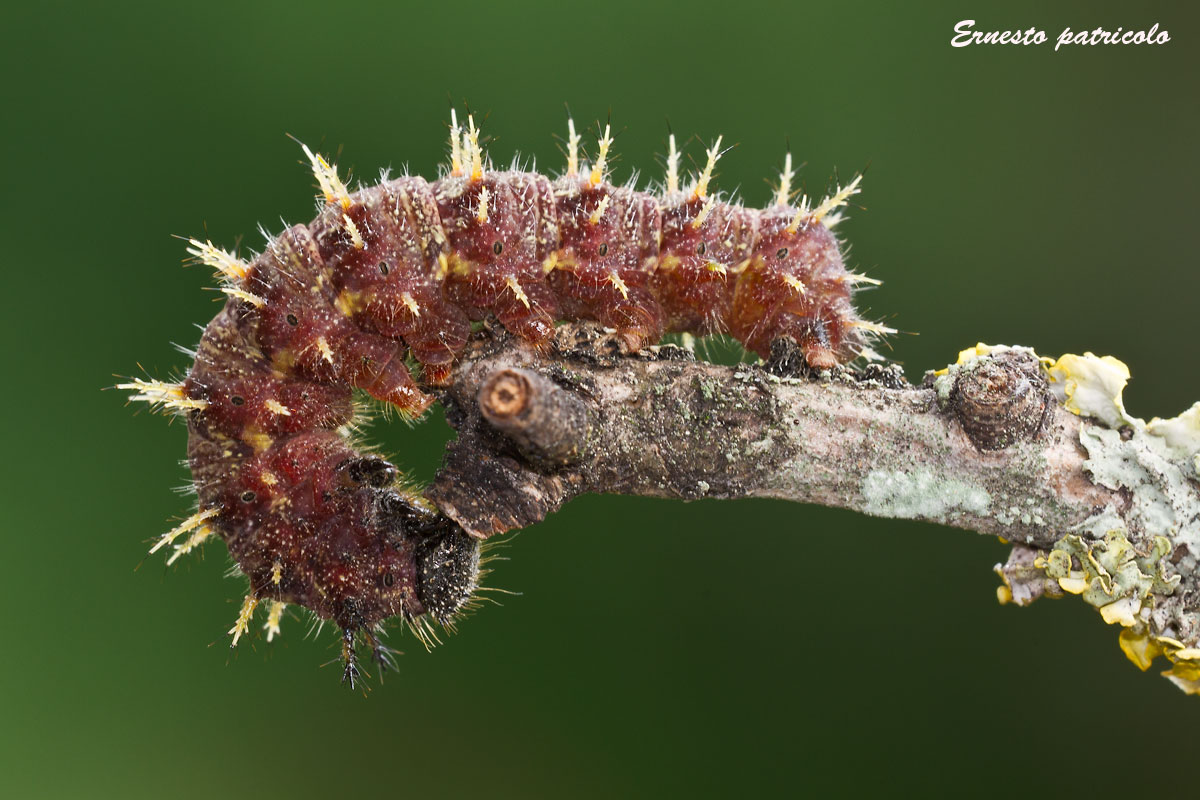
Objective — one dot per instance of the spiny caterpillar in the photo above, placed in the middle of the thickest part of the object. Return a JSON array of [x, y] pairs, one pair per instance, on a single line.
[[400, 270]]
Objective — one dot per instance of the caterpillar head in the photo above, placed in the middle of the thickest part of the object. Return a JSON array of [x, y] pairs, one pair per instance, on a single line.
[[336, 535], [447, 571], [445, 560]]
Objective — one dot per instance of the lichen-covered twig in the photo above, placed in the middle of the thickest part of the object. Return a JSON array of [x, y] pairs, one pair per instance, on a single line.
[[1037, 451]]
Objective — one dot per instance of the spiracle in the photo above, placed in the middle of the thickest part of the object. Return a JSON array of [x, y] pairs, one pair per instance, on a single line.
[[398, 272]]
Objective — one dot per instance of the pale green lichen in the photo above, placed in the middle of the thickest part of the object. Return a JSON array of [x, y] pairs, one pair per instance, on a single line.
[[1130, 588], [920, 494], [1110, 574], [1181, 434], [1162, 496]]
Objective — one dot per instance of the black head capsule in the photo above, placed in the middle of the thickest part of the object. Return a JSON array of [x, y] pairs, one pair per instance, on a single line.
[[401, 518], [447, 570], [367, 471]]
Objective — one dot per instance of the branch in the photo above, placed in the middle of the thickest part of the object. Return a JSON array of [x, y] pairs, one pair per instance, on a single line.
[[1107, 508]]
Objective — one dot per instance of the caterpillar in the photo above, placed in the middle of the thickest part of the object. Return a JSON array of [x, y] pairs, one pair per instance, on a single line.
[[397, 273]]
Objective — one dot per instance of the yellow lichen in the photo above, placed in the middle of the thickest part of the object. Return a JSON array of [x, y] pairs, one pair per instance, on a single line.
[[1073, 584], [980, 350], [1091, 386], [1185, 665], [1122, 611], [972, 353], [1140, 647]]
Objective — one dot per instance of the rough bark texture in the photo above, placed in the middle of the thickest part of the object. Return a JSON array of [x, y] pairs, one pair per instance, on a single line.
[[662, 424], [988, 449]]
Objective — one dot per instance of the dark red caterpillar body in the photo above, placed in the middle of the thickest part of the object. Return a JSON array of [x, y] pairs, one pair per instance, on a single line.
[[401, 269]]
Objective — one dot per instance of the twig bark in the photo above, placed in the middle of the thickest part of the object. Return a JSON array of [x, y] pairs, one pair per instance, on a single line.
[[987, 449], [665, 425]]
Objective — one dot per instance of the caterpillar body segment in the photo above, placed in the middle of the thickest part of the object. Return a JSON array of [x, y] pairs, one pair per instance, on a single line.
[[702, 257], [496, 263], [608, 242], [304, 328], [395, 284]]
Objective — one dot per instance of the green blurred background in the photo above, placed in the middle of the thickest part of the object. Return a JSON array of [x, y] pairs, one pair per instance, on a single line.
[[1014, 195]]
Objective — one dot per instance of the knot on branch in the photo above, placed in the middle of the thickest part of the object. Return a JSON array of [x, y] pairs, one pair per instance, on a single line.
[[1000, 400], [547, 423]]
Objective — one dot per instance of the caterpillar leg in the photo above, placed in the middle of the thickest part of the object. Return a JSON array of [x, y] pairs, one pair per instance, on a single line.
[[438, 374], [436, 347], [528, 314], [395, 385], [790, 359], [613, 300], [378, 367], [350, 670], [790, 339], [637, 317], [381, 654], [813, 336]]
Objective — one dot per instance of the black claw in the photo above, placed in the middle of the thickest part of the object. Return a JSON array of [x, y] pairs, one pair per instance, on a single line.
[[787, 359], [349, 658], [383, 655], [350, 673]]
